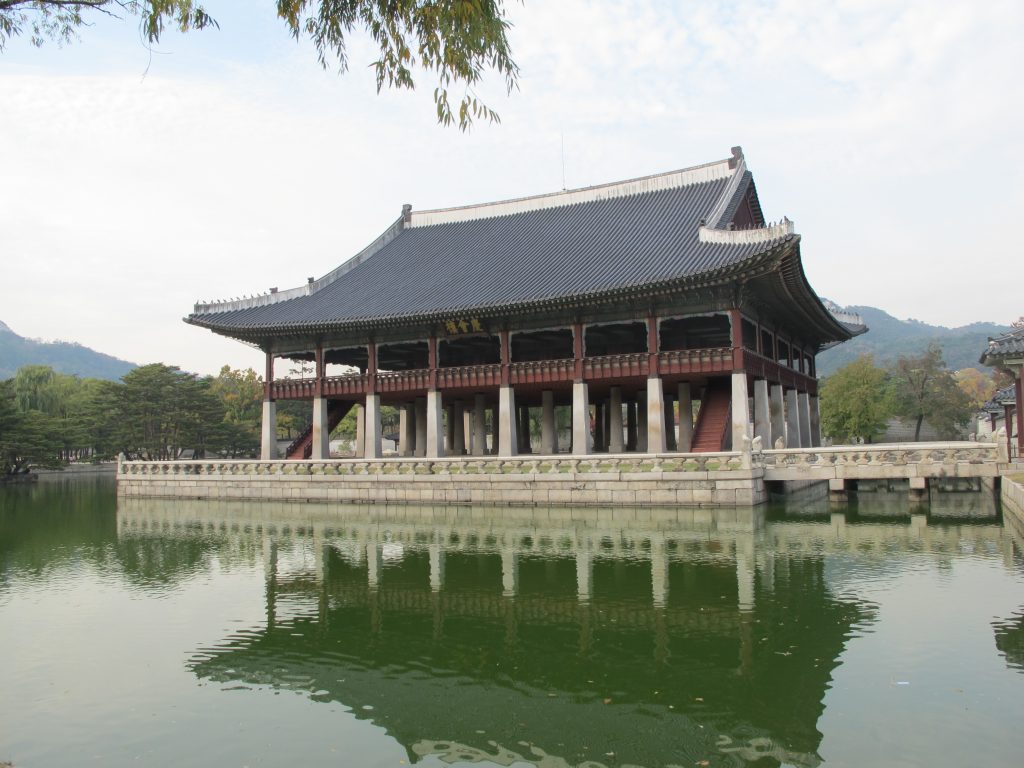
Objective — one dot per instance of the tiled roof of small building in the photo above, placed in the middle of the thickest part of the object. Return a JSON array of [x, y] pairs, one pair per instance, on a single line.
[[530, 252], [1005, 396], [1008, 345]]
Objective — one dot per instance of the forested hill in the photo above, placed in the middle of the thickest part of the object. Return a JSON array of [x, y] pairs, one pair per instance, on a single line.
[[888, 338], [62, 356]]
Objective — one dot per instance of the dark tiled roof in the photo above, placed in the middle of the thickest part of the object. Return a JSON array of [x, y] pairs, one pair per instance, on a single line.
[[1009, 344], [1005, 396], [552, 248]]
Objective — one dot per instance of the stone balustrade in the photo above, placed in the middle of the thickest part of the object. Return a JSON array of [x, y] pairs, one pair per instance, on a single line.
[[884, 461], [707, 479]]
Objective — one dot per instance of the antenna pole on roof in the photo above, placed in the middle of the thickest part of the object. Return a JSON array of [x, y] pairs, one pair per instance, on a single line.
[[563, 160]]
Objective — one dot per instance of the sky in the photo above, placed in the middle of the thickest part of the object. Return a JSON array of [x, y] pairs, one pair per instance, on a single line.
[[136, 182]]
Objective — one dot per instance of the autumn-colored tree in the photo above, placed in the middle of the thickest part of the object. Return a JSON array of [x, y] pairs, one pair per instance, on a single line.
[[923, 389], [977, 385]]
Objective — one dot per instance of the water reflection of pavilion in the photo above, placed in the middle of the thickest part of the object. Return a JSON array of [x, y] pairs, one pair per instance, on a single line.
[[661, 641]]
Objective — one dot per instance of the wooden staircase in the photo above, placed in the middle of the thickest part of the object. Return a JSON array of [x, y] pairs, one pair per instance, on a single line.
[[712, 428], [302, 446]]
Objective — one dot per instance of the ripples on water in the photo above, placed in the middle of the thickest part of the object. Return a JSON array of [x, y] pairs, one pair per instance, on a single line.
[[168, 630]]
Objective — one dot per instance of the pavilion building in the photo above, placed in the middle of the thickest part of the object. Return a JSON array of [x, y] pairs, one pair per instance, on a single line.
[[634, 304], [1007, 353]]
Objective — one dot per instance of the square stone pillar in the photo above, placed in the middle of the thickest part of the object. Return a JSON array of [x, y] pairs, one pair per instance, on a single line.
[[449, 429], [670, 424], [421, 427], [321, 430], [507, 433], [495, 427], [641, 422], [268, 431], [655, 417], [435, 425], [631, 425], [815, 423], [458, 428], [740, 411], [615, 441], [407, 429], [479, 426], [762, 413], [803, 402], [776, 414], [685, 441], [548, 438], [599, 441], [467, 427], [580, 418], [792, 419], [357, 449], [371, 429]]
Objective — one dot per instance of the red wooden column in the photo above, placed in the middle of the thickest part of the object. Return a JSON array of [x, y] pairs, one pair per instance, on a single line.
[[506, 357], [577, 351], [318, 386], [432, 362], [736, 336], [371, 368], [1019, 391], [653, 370], [268, 378]]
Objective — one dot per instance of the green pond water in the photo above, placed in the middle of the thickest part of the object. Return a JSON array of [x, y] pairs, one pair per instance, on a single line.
[[183, 633]]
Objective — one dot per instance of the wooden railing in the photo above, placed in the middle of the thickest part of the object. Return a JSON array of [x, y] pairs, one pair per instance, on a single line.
[[712, 360]]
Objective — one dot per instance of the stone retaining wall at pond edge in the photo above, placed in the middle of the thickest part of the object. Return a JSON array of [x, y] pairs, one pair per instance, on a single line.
[[1012, 495], [711, 480]]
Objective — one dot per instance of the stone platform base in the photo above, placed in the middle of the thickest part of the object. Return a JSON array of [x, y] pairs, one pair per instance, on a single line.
[[698, 480]]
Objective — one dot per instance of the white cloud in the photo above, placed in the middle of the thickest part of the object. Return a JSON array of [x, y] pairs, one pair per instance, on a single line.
[[884, 129]]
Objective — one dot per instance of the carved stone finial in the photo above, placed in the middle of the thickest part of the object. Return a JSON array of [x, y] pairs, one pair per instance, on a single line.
[[757, 444], [737, 156], [780, 443]]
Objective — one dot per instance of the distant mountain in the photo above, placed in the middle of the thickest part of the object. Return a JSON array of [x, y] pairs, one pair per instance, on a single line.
[[888, 338], [62, 356]]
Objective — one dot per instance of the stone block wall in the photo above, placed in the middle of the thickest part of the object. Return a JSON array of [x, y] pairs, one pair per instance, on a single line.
[[715, 480]]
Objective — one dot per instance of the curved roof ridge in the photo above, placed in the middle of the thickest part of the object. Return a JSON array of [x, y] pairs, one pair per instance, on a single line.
[[684, 177]]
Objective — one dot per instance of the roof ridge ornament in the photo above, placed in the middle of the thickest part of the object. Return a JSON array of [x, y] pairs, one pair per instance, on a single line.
[[756, 236]]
